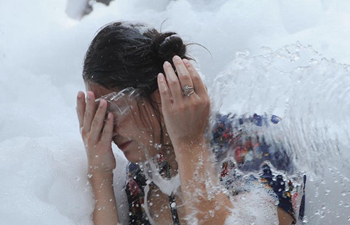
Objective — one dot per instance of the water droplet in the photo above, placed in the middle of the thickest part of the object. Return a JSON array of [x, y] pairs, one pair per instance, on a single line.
[[158, 146], [313, 62], [317, 213], [305, 219], [211, 213], [96, 156], [89, 175], [322, 214]]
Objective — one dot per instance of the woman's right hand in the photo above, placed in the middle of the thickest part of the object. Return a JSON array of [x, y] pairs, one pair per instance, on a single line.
[[96, 133]]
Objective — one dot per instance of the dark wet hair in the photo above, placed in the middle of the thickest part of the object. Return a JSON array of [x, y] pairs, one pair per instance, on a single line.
[[131, 55]]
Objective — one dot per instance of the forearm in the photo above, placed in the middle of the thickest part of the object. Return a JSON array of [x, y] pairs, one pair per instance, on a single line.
[[105, 211], [200, 186], [283, 217]]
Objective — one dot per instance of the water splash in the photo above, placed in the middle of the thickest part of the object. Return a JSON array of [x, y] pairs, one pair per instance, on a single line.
[[311, 94]]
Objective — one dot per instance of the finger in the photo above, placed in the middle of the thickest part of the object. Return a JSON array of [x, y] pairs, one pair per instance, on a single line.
[[182, 72], [80, 108], [89, 111], [199, 86], [164, 92], [173, 82], [107, 132], [97, 122]]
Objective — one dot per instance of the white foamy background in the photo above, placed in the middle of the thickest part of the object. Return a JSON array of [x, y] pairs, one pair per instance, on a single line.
[[42, 159]]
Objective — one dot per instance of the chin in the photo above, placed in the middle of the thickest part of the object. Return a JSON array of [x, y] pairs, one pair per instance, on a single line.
[[134, 158]]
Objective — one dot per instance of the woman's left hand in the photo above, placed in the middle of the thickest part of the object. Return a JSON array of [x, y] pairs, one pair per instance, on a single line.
[[186, 117]]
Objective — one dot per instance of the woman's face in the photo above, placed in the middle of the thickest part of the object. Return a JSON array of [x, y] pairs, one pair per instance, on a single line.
[[130, 128]]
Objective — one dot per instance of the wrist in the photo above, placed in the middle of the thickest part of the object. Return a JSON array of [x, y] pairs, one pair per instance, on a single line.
[[98, 178], [191, 148], [98, 171]]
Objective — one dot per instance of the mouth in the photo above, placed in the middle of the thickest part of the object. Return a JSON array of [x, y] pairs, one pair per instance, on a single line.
[[124, 145]]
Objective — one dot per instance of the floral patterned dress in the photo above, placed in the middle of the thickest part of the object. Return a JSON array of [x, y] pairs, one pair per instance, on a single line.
[[239, 150]]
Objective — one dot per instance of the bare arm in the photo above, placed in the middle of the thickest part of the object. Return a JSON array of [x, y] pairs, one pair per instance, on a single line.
[[186, 116], [283, 217], [198, 181], [97, 137], [105, 211]]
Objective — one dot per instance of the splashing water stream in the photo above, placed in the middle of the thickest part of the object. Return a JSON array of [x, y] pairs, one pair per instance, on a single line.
[[311, 94]]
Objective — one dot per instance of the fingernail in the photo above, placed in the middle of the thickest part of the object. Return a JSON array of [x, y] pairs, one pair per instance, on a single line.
[[79, 95], [187, 63], [88, 95], [176, 59], [109, 116], [102, 103], [166, 64], [161, 76]]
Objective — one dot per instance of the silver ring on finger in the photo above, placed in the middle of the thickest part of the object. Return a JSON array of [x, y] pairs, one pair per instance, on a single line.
[[187, 90]]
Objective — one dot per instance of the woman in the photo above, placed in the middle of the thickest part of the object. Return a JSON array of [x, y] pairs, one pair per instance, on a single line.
[[154, 106]]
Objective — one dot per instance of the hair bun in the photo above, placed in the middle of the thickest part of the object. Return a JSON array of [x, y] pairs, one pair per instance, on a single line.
[[166, 45]]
